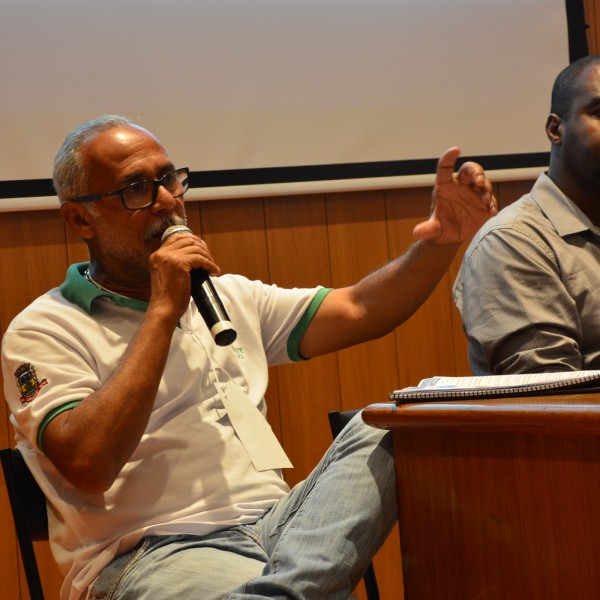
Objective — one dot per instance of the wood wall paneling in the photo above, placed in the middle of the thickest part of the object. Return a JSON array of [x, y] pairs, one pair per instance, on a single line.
[[592, 12]]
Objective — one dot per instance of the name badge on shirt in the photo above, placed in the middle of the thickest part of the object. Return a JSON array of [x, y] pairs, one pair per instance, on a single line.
[[253, 430]]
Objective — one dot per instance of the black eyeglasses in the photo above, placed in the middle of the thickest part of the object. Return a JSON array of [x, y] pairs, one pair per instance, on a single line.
[[143, 194]]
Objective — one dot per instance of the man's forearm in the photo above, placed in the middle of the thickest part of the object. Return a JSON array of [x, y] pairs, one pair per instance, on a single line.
[[394, 293], [379, 302], [90, 443]]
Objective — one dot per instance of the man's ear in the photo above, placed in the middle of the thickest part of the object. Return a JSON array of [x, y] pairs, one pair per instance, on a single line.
[[77, 216], [554, 129]]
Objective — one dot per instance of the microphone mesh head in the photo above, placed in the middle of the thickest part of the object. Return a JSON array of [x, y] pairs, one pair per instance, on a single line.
[[174, 229]]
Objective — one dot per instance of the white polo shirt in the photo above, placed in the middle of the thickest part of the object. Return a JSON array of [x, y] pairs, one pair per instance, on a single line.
[[190, 473]]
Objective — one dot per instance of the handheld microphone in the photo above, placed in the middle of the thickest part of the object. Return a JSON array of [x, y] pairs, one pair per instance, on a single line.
[[205, 296]]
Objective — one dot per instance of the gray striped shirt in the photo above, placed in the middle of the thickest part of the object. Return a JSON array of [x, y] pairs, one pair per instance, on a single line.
[[529, 287]]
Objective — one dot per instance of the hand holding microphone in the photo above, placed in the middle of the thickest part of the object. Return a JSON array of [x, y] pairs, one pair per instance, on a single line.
[[206, 299]]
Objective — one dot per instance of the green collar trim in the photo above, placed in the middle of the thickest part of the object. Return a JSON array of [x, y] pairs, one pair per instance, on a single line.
[[78, 290]]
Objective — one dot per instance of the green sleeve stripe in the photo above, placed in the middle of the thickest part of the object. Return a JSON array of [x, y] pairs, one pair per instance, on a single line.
[[52, 415], [302, 325]]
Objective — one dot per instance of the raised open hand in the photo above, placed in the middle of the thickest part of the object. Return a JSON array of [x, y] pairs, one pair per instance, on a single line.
[[462, 202]]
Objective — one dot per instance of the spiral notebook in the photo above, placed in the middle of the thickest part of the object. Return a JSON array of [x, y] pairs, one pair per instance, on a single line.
[[497, 386]]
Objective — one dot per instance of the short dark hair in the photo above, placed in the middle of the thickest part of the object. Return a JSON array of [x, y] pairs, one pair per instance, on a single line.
[[566, 84]]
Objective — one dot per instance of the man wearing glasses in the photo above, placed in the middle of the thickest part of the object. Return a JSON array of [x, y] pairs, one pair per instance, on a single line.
[[144, 436]]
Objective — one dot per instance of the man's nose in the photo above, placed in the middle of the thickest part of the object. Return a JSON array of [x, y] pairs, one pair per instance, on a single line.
[[164, 199]]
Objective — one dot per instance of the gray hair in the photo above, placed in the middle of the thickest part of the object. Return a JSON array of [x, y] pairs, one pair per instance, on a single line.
[[70, 176]]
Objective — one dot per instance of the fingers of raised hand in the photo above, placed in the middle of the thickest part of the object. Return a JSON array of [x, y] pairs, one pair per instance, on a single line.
[[446, 164]]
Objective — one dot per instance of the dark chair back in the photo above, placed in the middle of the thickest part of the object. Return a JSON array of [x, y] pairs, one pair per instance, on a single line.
[[28, 505], [337, 421]]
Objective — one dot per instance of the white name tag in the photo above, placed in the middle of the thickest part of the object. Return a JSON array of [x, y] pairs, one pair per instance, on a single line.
[[253, 430]]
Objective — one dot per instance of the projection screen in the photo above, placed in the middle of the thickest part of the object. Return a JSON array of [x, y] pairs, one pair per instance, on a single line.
[[280, 96]]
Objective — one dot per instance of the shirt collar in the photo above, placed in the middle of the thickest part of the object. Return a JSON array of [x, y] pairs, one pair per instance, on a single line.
[[78, 290], [566, 217]]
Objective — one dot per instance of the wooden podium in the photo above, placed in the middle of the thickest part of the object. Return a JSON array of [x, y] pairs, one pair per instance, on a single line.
[[498, 499]]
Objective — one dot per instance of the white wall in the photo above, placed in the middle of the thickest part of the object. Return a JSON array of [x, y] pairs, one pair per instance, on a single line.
[[231, 84]]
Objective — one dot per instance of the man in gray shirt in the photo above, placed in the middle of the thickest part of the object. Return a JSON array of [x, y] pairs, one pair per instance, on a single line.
[[529, 286]]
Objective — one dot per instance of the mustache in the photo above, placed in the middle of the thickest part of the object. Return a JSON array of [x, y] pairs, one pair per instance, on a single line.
[[158, 228]]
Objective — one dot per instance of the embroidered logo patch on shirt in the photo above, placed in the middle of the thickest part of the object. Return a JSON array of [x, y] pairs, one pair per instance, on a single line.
[[28, 383], [239, 351]]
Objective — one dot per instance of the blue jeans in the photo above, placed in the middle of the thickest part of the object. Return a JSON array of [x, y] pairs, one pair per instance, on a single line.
[[314, 544]]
